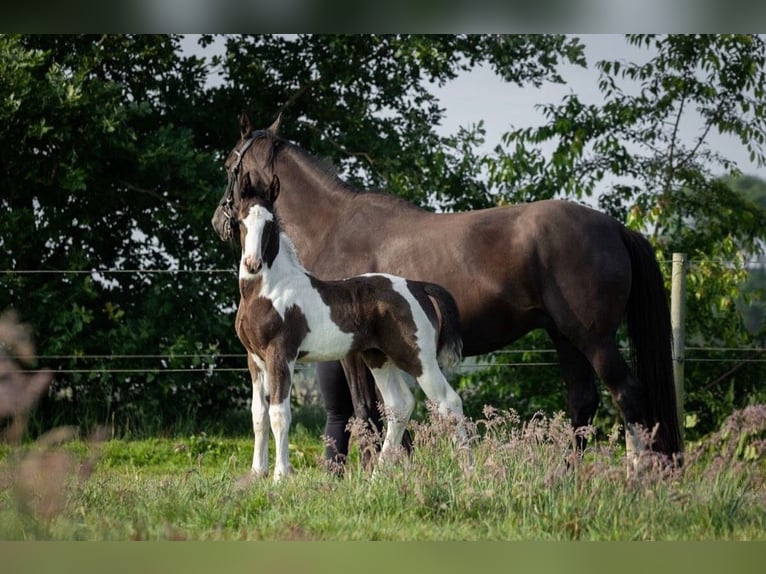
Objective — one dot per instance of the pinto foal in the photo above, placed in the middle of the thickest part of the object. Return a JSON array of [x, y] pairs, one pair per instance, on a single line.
[[286, 315]]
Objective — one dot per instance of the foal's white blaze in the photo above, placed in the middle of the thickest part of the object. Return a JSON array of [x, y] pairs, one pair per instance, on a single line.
[[255, 221], [286, 284]]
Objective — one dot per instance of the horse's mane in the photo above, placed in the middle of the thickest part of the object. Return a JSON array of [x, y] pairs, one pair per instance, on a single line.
[[328, 172]]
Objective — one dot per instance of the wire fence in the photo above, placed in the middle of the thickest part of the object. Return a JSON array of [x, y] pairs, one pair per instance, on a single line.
[[754, 262], [208, 361]]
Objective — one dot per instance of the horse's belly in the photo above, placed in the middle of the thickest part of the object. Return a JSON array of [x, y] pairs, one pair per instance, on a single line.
[[325, 342]]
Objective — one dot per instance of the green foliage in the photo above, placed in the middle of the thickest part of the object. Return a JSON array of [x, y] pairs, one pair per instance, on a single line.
[[103, 172], [628, 151], [113, 160], [525, 484], [364, 101]]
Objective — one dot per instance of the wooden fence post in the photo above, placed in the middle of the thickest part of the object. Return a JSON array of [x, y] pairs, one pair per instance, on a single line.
[[678, 320]]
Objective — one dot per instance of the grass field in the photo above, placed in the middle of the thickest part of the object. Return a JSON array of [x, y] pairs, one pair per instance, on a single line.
[[524, 484]]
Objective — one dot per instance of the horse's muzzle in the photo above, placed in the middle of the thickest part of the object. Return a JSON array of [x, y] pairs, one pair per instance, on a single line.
[[222, 224], [253, 264]]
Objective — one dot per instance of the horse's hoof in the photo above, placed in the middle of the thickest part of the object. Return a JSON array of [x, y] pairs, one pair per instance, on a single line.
[[283, 473], [244, 481]]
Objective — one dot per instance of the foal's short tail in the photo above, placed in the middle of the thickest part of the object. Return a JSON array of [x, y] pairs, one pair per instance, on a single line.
[[651, 342], [449, 346]]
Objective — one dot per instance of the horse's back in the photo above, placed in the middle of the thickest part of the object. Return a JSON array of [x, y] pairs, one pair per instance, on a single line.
[[552, 264], [510, 269]]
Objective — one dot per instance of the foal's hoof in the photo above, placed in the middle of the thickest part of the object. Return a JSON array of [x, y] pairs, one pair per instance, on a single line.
[[244, 481], [279, 474]]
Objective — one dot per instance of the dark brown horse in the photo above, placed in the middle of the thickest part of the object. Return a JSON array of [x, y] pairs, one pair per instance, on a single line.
[[553, 265]]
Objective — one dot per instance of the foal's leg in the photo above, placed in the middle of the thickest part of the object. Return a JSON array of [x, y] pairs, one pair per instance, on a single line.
[[259, 409], [280, 384], [365, 401], [399, 403], [362, 387], [438, 390]]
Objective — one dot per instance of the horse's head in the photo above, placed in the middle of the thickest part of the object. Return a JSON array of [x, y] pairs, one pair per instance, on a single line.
[[248, 165], [258, 228]]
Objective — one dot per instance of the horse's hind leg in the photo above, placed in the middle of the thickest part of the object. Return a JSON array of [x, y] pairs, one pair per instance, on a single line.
[[438, 390], [362, 386], [582, 391], [627, 391], [399, 403]]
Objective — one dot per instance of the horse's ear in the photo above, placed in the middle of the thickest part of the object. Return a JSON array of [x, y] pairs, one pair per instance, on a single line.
[[274, 128], [245, 126], [274, 189]]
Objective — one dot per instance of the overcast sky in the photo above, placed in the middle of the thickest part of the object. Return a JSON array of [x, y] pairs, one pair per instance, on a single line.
[[480, 94]]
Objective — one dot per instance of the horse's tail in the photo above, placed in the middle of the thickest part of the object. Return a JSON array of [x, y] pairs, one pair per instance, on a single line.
[[449, 346], [650, 334]]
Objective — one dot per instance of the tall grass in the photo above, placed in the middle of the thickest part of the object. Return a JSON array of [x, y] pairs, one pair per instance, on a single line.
[[525, 482]]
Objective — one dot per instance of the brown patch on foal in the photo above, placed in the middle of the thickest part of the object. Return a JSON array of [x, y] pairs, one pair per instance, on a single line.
[[383, 321], [264, 333]]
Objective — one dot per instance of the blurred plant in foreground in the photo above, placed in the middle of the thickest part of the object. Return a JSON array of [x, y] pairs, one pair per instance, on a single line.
[[37, 476]]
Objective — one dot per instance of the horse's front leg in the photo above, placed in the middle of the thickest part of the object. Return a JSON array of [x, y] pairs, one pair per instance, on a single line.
[[280, 385], [260, 412]]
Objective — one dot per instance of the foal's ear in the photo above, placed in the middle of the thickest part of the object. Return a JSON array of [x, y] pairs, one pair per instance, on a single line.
[[245, 126], [274, 189], [273, 128]]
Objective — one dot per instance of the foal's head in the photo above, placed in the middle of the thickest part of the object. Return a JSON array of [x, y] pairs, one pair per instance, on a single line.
[[259, 229]]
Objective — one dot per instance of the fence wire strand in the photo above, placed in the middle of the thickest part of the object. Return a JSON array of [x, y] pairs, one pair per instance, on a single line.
[[212, 357]]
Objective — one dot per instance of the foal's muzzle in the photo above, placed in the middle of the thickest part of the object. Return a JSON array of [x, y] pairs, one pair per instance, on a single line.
[[253, 264], [220, 224]]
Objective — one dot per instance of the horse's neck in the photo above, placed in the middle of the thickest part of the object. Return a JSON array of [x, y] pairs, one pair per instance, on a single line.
[[283, 270], [287, 257], [313, 202], [317, 208]]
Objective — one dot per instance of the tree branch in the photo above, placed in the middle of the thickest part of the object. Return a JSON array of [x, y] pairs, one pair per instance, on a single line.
[[297, 94], [361, 154], [152, 193]]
